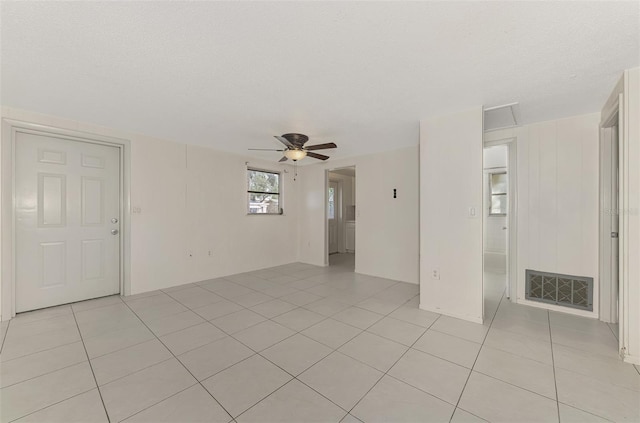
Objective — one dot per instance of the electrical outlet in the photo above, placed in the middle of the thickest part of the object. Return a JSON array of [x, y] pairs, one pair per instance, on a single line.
[[435, 274], [210, 253]]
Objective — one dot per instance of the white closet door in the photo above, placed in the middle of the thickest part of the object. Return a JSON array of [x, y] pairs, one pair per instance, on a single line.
[[67, 207]]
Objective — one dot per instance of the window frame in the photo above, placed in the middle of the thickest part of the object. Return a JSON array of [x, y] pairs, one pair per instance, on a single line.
[[491, 195], [249, 192]]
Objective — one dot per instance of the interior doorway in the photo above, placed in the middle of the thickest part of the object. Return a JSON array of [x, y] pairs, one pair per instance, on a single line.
[[341, 217], [499, 222], [334, 201], [610, 221]]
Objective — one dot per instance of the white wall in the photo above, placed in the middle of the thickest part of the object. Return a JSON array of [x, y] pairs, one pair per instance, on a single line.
[[557, 190], [386, 228], [496, 156], [450, 241], [192, 199], [558, 199]]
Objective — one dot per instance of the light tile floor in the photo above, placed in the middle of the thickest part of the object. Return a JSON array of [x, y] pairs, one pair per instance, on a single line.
[[301, 343]]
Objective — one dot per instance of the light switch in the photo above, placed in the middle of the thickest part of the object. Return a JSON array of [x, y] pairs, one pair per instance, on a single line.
[[473, 213]]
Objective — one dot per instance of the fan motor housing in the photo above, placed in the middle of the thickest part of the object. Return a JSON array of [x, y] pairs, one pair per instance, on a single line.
[[296, 139]]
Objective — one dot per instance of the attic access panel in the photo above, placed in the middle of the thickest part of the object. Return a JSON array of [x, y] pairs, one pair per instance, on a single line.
[[500, 117]]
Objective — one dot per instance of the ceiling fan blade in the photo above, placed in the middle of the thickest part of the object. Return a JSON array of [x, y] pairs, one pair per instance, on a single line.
[[317, 156], [283, 159], [321, 146], [263, 149], [284, 141]]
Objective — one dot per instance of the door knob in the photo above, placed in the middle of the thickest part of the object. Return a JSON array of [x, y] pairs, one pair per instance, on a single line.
[[114, 220], [114, 232]]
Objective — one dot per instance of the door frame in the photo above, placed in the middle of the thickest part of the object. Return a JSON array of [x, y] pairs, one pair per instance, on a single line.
[[613, 113], [338, 212], [512, 213], [10, 128], [609, 292], [324, 213]]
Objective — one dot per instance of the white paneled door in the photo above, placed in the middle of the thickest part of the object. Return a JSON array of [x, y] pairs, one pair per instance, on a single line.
[[67, 208]]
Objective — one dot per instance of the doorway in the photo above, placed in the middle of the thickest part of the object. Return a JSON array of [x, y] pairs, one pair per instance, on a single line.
[[334, 200], [499, 222], [609, 221], [67, 212], [341, 217], [66, 226]]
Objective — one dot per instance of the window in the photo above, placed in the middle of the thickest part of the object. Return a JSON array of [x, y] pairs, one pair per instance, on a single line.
[[498, 189], [332, 203], [263, 189]]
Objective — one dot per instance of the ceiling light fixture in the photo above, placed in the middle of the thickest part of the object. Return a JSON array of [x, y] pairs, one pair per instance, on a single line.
[[295, 155]]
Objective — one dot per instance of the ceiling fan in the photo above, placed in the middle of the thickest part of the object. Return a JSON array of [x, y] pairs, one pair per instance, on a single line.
[[295, 149]]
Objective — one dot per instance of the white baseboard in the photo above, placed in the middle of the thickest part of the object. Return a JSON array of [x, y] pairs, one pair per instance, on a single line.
[[632, 359], [461, 317]]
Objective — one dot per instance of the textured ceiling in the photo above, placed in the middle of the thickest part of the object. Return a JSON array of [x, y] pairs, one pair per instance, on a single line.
[[230, 75]]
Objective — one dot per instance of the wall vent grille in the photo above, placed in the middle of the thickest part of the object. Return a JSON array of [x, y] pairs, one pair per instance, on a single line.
[[564, 290]]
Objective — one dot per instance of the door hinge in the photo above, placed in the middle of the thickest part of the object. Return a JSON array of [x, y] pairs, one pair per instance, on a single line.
[[614, 234]]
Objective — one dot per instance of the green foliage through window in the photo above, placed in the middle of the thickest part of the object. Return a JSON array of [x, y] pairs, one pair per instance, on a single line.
[[263, 189]]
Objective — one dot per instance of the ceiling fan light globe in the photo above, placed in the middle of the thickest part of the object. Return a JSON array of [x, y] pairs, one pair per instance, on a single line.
[[295, 155]]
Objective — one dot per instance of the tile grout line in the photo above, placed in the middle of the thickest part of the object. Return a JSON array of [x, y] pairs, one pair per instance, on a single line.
[[227, 314], [72, 312], [325, 318], [616, 335], [6, 332], [515, 386], [90, 366], [587, 412], [297, 307], [19, 316], [265, 358], [170, 396], [504, 350], [495, 313], [40, 351], [54, 404], [394, 363], [334, 350], [478, 355], [247, 308], [43, 374], [185, 367], [457, 336], [553, 365]]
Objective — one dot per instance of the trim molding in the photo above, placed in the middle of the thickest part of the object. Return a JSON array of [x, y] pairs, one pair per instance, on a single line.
[[10, 128]]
